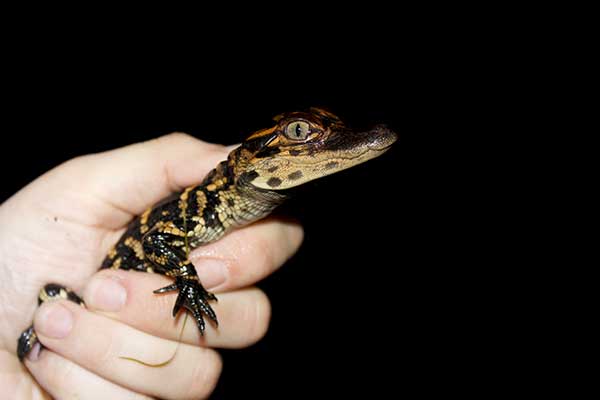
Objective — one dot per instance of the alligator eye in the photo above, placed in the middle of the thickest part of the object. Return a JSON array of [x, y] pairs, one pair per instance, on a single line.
[[297, 130]]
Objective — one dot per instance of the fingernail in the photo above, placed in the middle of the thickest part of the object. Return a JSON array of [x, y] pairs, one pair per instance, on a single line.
[[211, 272], [106, 293], [54, 320]]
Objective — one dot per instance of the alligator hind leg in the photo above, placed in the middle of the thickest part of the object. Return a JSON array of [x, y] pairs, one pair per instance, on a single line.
[[51, 291]]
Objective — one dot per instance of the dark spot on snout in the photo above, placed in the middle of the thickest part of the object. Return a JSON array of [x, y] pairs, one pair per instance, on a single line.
[[248, 177], [273, 169], [274, 182], [295, 175], [294, 152], [331, 164]]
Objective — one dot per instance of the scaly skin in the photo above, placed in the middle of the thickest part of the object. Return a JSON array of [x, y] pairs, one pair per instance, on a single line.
[[301, 147]]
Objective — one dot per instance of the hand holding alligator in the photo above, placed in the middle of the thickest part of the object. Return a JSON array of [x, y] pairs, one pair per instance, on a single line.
[[60, 228]]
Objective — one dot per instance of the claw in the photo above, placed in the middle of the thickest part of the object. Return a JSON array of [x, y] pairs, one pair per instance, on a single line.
[[200, 322], [169, 288], [210, 313], [211, 296], [194, 298]]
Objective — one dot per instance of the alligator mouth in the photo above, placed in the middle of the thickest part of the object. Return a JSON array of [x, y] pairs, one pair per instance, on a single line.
[[381, 138], [353, 143]]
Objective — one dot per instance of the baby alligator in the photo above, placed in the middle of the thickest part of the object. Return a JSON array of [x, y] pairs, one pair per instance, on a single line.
[[301, 147]]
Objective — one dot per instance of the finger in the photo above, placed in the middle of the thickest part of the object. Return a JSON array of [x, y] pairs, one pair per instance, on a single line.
[[98, 344], [15, 381], [63, 379], [133, 178], [247, 255], [232, 147], [127, 296]]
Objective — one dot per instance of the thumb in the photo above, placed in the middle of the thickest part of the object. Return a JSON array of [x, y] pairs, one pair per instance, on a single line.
[[135, 177]]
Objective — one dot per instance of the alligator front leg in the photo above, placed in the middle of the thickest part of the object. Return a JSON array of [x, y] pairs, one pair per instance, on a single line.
[[165, 250]]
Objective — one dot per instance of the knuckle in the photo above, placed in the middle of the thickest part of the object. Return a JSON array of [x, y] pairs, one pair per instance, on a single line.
[[74, 164], [173, 139], [182, 138], [176, 137]]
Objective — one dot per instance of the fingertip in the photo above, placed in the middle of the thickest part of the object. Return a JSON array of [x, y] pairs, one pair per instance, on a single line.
[[106, 292], [147, 295], [293, 232], [256, 317], [204, 380], [54, 320], [249, 254]]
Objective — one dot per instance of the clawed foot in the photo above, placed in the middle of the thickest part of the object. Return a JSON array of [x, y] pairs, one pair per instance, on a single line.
[[26, 341], [193, 297]]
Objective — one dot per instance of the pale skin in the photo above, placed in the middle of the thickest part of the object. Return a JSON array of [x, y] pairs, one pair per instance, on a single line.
[[60, 227]]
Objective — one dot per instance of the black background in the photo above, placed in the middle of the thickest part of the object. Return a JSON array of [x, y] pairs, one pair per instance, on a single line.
[[375, 298]]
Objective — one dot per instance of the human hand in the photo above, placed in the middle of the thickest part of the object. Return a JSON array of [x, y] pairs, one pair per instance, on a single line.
[[60, 227]]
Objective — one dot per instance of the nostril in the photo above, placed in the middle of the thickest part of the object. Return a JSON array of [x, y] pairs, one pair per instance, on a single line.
[[383, 137]]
